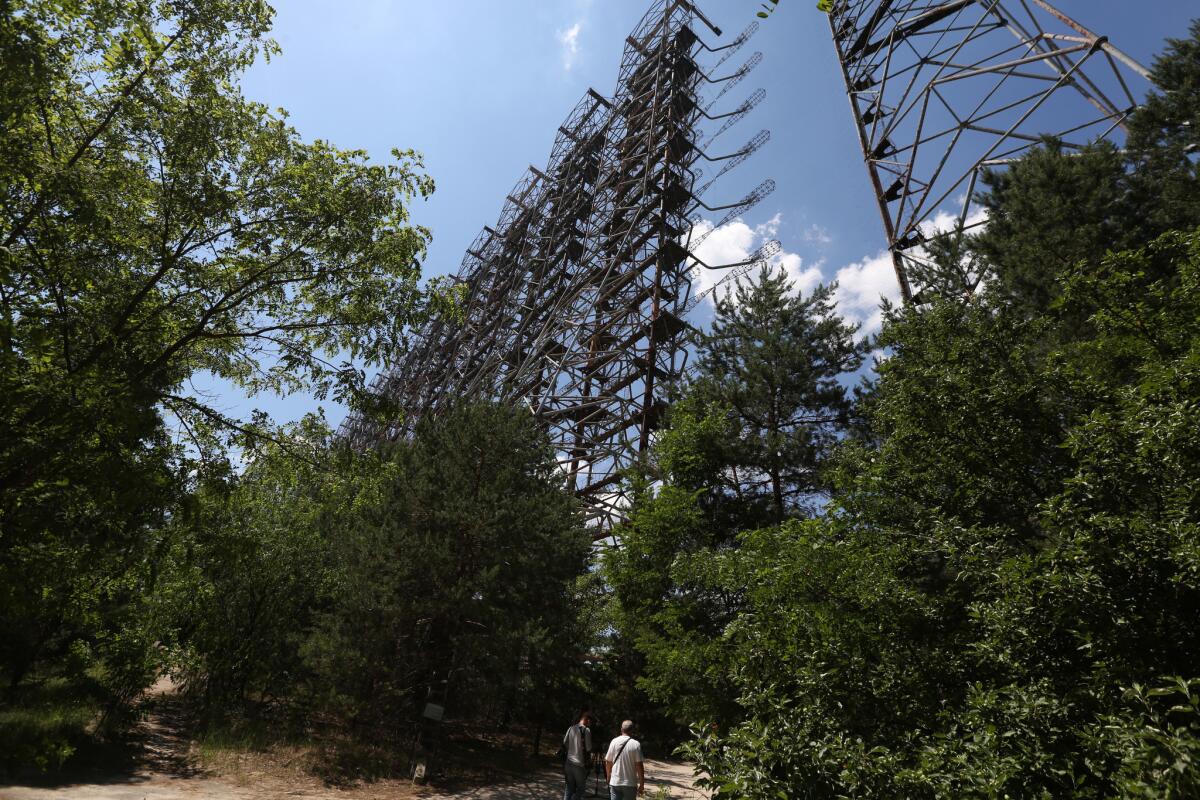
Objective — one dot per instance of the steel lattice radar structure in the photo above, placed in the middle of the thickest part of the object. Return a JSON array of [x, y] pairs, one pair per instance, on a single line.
[[941, 91], [574, 302]]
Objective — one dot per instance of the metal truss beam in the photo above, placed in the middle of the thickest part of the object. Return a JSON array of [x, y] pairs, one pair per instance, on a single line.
[[941, 90], [575, 300]]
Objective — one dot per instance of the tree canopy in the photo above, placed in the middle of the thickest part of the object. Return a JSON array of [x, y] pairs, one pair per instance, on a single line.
[[975, 573], [364, 584], [159, 230], [997, 597]]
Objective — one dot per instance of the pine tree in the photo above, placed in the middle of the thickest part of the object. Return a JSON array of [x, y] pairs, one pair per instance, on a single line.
[[773, 361], [1047, 214], [1164, 139], [744, 448], [1055, 212]]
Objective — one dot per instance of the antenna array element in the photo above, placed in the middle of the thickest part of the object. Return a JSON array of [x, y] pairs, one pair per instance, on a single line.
[[575, 300]]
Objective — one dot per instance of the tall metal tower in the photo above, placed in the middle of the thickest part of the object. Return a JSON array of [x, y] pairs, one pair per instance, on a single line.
[[941, 90], [575, 300]]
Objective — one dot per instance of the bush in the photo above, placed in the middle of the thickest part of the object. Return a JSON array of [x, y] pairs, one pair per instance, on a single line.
[[44, 726]]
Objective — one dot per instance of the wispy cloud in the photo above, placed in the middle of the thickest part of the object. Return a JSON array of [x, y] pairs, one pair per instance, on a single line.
[[569, 40], [816, 234]]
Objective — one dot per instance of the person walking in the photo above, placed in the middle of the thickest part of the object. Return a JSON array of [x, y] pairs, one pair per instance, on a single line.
[[577, 749], [623, 764]]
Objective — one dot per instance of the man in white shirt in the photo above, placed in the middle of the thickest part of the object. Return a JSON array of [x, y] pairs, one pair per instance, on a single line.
[[577, 747], [624, 766]]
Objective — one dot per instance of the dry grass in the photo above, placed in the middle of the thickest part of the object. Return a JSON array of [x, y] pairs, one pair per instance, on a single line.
[[288, 768]]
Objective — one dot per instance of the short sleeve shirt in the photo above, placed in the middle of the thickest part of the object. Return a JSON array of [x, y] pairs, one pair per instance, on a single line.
[[578, 742], [624, 770]]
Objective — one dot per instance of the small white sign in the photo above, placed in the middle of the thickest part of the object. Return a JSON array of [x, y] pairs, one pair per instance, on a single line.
[[434, 712]]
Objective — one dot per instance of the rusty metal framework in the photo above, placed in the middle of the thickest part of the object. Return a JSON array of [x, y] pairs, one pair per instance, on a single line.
[[942, 90], [575, 300]]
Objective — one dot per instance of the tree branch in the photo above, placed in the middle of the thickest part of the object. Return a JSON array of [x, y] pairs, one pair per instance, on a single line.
[[23, 223], [232, 424]]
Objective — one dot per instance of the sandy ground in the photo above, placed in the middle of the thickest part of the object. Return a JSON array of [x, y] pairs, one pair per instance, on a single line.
[[163, 769], [157, 786], [676, 777]]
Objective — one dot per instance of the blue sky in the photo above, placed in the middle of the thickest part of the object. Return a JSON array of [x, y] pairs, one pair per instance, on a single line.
[[480, 87]]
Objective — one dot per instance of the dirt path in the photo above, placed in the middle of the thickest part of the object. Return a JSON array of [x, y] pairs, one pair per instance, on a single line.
[[160, 786], [160, 768], [549, 785]]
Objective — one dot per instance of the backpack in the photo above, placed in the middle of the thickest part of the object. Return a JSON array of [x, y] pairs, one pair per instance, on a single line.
[[562, 752]]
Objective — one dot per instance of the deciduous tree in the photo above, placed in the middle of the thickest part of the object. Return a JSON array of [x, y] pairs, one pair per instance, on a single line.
[[155, 227]]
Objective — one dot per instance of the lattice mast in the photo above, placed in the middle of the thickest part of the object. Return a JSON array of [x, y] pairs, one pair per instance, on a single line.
[[575, 301], [940, 91]]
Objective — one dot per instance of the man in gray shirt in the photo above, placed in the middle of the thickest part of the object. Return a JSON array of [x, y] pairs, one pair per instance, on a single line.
[[577, 744]]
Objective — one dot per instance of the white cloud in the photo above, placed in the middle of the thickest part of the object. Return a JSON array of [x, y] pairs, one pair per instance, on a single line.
[[734, 243], [728, 244], [569, 39], [862, 286], [944, 222]]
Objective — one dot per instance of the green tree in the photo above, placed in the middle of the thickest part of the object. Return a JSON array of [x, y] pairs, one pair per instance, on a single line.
[[454, 575], [774, 359], [246, 568], [1053, 212], [1164, 138], [1001, 600], [358, 586], [745, 446], [155, 226], [998, 601], [1048, 214]]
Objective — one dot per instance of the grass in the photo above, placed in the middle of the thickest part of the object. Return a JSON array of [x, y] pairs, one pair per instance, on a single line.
[[42, 726], [246, 750], [242, 736], [262, 753]]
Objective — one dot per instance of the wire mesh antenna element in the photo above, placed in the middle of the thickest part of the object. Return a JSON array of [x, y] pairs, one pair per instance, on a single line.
[[942, 90], [574, 300]]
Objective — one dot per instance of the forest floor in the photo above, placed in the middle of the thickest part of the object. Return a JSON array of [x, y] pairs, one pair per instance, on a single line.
[[161, 762]]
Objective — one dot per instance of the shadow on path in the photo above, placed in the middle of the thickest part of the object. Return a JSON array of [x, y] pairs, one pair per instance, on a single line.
[[677, 778], [155, 750], [153, 764]]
